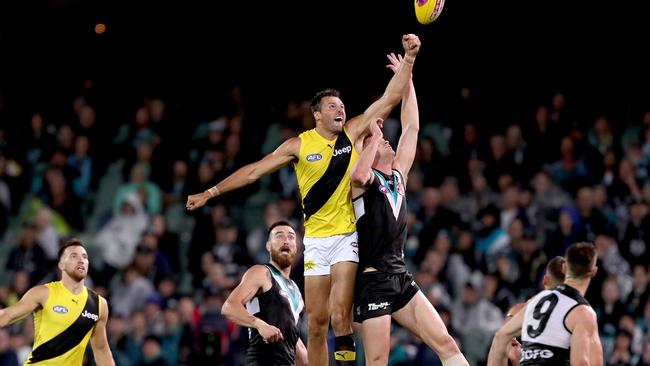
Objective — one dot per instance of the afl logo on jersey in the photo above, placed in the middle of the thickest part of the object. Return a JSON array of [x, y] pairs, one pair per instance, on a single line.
[[60, 309], [314, 157]]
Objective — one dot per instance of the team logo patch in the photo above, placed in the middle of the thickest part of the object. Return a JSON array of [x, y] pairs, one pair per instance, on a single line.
[[354, 244], [60, 309], [400, 189], [310, 265], [314, 157], [383, 189]]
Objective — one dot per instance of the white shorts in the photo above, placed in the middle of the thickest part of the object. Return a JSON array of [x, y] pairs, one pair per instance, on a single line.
[[321, 253]]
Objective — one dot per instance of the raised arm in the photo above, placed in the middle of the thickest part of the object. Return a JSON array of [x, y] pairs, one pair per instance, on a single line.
[[512, 328], [257, 278], [361, 174], [586, 349], [410, 124], [283, 155], [32, 300], [357, 126], [99, 341]]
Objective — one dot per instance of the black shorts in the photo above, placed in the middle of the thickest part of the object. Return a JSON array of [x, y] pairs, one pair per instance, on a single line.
[[379, 293]]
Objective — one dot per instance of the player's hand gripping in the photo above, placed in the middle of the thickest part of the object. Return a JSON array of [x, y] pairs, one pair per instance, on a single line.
[[411, 44], [197, 200], [269, 333], [375, 129]]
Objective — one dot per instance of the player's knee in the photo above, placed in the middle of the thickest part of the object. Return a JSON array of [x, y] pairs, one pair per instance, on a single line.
[[317, 324], [376, 360], [341, 316]]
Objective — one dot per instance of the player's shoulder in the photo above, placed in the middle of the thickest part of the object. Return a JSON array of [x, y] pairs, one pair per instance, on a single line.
[[258, 272], [38, 293], [582, 316], [290, 146], [583, 312]]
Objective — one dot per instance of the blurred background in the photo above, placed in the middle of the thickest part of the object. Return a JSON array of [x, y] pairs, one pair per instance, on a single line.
[[535, 133]]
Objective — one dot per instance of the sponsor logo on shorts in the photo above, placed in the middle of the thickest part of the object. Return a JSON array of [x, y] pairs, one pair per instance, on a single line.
[[314, 157], [382, 305], [310, 265], [532, 354], [60, 309]]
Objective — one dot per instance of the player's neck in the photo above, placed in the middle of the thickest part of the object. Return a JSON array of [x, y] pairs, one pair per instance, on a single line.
[[578, 284], [286, 272], [385, 166], [325, 133], [74, 286]]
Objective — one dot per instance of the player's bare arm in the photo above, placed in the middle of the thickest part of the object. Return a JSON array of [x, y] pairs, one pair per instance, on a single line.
[[361, 175], [301, 353], [256, 279], [283, 155], [99, 341], [30, 302], [502, 338], [586, 349], [410, 117], [357, 126]]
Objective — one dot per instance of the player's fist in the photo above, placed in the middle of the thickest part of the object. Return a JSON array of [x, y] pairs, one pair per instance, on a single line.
[[411, 44], [197, 200]]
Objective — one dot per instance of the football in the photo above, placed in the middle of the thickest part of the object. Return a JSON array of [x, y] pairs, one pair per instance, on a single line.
[[427, 11]]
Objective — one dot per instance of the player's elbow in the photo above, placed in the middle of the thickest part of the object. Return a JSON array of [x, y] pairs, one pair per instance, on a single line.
[[226, 309], [4, 319]]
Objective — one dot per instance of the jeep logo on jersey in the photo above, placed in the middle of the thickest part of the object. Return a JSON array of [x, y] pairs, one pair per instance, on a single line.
[[343, 150], [88, 315], [314, 157], [60, 309]]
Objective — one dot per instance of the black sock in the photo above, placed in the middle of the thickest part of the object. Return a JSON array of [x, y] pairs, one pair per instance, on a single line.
[[345, 350]]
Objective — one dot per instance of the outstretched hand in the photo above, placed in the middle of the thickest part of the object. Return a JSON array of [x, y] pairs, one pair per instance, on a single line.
[[411, 44], [395, 61]]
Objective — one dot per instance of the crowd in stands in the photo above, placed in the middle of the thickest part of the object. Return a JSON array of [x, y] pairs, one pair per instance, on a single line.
[[490, 205]]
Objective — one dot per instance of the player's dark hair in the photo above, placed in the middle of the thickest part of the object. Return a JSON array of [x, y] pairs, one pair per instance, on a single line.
[[581, 259], [315, 101], [554, 269], [279, 223], [70, 243]]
